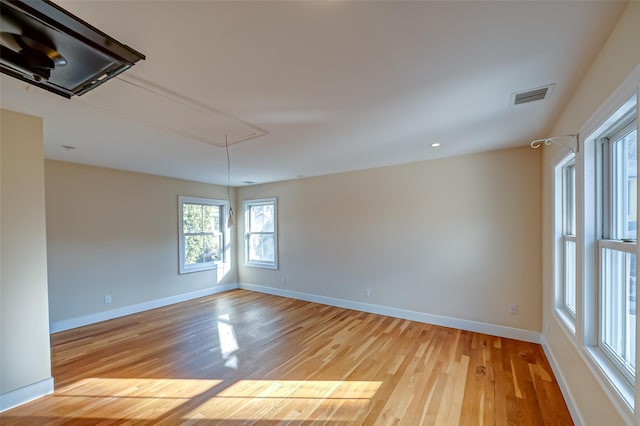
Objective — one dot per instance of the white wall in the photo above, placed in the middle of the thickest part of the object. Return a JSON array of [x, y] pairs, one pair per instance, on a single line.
[[114, 232], [458, 237], [24, 320], [616, 60]]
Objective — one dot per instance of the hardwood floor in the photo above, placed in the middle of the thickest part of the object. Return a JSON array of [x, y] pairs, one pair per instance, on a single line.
[[247, 358]]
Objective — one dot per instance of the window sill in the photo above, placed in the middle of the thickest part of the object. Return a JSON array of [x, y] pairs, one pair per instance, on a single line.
[[261, 265], [190, 270], [616, 382], [566, 320]]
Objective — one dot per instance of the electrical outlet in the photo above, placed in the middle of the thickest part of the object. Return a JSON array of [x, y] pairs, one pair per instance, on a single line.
[[284, 280], [107, 299], [513, 309], [367, 292]]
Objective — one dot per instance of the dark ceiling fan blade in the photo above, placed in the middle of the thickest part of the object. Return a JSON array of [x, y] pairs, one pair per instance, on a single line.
[[37, 53], [42, 37]]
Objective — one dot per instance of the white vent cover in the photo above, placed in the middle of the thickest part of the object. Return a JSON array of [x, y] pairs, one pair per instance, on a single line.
[[532, 95]]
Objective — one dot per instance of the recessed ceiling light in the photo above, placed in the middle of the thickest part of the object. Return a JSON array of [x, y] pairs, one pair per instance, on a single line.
[[435, 144]]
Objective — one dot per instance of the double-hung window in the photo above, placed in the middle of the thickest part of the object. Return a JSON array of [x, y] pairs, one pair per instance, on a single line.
[[261, 238], [566, 185], [617, 150], [202, 237]]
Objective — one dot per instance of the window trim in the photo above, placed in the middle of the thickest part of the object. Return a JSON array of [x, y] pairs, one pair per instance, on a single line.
[[611, 357], [608, 232], [618, 392], [208, 266], [603, 123], [605, 156], [565, 204], [569, 230], [246, 205]]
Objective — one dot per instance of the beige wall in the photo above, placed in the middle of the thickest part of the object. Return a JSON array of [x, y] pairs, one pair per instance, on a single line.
[[24, 319], [114, 232], [619, 56], [458, 237]]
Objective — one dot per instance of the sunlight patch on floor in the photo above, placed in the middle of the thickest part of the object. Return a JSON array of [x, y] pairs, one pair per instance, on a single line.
[[152, 399], [119, 398], [138, 388], [285, 400], [228, 341]]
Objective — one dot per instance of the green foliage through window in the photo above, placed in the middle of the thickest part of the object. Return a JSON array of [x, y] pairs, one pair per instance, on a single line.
[[202, 235]]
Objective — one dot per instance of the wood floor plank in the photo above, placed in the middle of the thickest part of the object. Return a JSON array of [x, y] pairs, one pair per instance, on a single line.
[[241, 358]]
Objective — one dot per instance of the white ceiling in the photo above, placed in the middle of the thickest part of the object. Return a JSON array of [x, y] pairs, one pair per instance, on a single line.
[[333, 86]]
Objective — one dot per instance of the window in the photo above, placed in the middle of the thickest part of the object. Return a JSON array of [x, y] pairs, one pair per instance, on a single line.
[[617, 151], [261, 239], [566, 222], [202, 238]]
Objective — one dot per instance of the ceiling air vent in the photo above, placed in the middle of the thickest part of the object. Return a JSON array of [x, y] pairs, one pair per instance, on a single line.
[[531, 95]]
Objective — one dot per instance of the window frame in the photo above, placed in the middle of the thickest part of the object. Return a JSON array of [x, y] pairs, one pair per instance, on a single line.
[[612, 357], [623, 396], [606, 139], [183, 268], [620, 392], [566, 231], [246, 206], [609, 234]]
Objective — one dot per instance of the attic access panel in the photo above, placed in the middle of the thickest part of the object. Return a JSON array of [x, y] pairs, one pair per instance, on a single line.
[[44, 45]]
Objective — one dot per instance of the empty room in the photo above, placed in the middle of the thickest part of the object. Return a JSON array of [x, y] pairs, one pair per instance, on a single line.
[[319, 212]]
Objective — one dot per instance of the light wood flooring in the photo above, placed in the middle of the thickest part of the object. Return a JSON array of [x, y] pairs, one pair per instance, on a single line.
[[247, 358]]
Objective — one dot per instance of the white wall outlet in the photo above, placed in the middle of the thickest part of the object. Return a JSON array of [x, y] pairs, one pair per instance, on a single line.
[[107, 299], [284, 280], [367, 292], [513, 309]]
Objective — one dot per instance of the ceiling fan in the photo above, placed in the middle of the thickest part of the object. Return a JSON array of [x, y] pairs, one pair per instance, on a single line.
[[47, 46]]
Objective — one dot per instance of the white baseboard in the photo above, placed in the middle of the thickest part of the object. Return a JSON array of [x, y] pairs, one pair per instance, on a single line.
[[134, 309], [28, 393], [475, 326], [564, 388]]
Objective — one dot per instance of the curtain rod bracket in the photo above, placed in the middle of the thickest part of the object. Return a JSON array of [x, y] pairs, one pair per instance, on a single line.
[[548, 141]]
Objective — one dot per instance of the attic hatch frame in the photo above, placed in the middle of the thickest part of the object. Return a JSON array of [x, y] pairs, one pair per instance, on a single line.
[[48, 23]]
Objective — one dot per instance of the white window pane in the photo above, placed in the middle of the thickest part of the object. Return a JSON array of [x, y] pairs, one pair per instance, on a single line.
[[261, 248], [211, 218], [570, 277], [632, 182], [191, 218], [567, 266], [193, 249], [256, 218], [201, 237], [624, 186], [211, 249], [202, 248], [260, 233], [617, 306], [569, 199], [261, 218]]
